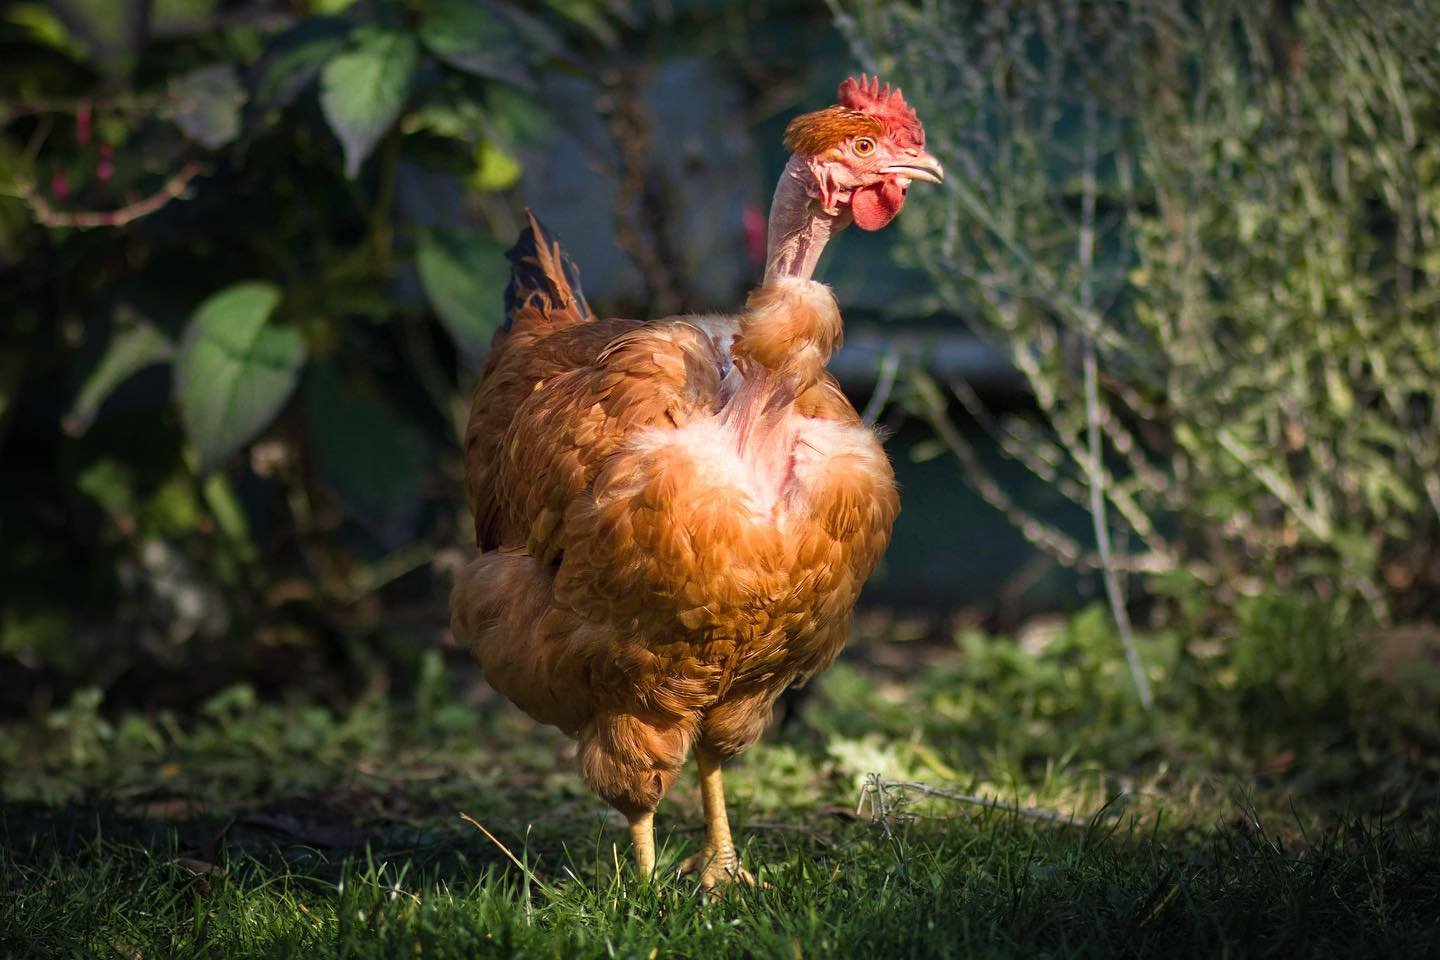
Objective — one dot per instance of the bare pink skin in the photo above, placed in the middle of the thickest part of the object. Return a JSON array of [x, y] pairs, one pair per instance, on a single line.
[[804, 215], [800, 226]]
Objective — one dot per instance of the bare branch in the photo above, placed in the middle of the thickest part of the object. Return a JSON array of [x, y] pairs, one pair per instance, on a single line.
[[884, 386], [877, 794], [1095, 469], [49, 216]]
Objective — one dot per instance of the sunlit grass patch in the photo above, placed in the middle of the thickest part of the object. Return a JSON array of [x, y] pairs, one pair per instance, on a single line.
[[1026, 806]]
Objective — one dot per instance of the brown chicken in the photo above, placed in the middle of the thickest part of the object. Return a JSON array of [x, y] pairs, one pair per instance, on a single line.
[[675, 517]]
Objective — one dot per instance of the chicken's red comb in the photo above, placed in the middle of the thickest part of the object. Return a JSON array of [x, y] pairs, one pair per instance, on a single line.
[[885, 103]]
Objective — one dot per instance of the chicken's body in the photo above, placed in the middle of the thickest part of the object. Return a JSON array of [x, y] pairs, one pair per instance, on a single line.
[[675, 519]]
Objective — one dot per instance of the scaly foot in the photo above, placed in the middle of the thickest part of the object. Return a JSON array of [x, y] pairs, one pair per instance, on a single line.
[[716, 868]]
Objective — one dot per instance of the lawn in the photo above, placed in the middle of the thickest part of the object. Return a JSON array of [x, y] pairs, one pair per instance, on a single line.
[[1275, 804]]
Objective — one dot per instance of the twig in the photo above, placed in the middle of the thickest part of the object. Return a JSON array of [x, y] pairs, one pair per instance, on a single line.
[[877, 788], [1095, 467], [880, 811], [884, 386], [1060, 545], [1049, 538], [48, 216], [503, 849], [41, 106], [1272, 481], [390, 568]]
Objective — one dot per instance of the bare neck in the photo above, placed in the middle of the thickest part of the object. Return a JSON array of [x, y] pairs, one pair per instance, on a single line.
[[799, 228]]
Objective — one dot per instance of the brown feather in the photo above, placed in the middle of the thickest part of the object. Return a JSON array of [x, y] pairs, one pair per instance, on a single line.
[[675, 519], [812, 134]]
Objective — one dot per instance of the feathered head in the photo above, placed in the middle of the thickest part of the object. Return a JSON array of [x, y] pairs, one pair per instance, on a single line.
[[864, 152]]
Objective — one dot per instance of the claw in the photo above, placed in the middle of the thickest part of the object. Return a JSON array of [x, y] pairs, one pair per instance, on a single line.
[[716, 870]]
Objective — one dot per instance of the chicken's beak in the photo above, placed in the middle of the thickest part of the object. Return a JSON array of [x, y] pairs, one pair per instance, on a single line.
[[920, 167]]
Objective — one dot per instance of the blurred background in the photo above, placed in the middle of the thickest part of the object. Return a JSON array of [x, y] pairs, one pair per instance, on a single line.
[[1168, 341]]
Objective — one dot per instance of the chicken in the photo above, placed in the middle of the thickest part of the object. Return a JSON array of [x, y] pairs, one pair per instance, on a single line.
[[675, 517]]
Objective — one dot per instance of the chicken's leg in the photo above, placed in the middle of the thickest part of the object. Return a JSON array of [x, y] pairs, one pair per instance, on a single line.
[[717, 863], [642, 841]]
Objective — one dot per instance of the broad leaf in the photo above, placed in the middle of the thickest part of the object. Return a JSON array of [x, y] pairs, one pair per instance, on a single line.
[[40, 25], [130, 350], [469, 37], [541, 39], [112, 32], [207, 105], [235, 370], [595, 17], [464, 274], [293, 60], [364, 89], [516, 118], [374, 460]]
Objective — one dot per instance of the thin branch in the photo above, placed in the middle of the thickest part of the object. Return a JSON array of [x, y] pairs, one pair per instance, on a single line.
[[1045, 391], [1092, 417], [884, 386], [883, 807], [48, 216], [1045, 536], [1063, 547], [1078, 314], [45, 106], [1272, 481], [530, 877]]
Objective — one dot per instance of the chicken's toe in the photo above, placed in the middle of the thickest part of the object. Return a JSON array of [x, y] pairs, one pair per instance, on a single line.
[[716, 869]]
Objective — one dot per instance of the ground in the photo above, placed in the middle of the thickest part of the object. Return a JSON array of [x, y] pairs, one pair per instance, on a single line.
[[1265, 808]]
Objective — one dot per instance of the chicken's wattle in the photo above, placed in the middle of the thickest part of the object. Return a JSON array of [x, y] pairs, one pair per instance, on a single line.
[[875, 206]]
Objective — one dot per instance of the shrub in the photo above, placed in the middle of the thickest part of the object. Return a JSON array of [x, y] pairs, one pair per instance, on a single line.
[[1220, 222]]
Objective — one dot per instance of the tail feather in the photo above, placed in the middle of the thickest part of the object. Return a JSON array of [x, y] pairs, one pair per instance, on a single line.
[[544, 286]]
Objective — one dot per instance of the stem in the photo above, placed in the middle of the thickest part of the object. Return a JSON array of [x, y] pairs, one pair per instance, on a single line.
[[1095, 466], [884, 386], [49, 216]]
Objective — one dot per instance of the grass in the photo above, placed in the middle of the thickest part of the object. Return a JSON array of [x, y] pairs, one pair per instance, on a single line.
[[995, 886], [1270, 806]]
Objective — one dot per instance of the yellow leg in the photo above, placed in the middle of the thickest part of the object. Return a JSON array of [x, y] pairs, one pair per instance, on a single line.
[[642, 841], [717, 862]]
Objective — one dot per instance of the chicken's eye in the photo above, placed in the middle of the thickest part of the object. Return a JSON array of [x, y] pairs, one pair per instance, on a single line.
[[864, 146]]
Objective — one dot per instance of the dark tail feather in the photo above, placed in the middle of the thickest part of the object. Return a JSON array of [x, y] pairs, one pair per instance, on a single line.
[[544, 283]]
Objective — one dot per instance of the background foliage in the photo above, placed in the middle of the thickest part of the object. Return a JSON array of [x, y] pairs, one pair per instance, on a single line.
[[252, 255], [1234, 208]]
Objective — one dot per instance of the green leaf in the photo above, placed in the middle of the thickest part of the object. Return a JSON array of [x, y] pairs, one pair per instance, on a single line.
[[494, 168], [42, 26], [294, 59], [472, 39], [454, 120], [373, 459], [131, 350], [464, 274], [235, 370], [111, 32], [363, 91], [516, 118], [595, 16], [207, 105]]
